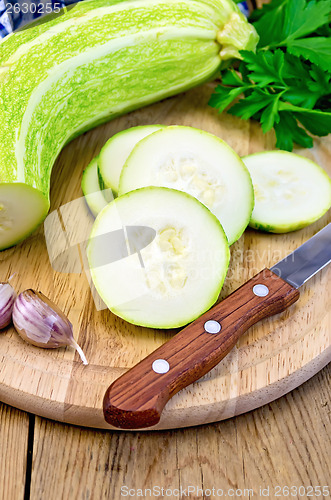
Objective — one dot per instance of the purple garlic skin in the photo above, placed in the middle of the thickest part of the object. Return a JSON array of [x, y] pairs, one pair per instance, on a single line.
[[40, 322], [7, 299]]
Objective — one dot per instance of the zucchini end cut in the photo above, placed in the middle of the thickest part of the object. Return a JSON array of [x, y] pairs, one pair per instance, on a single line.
[[22, 210]]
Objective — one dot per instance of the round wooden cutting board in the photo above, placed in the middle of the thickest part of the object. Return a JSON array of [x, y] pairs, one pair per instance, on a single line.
[[272, 358]]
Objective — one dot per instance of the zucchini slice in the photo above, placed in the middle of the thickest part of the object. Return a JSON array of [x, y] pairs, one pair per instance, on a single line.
[[91, 188], [115, 152], [198, 163], [291, 191], [174, 278]]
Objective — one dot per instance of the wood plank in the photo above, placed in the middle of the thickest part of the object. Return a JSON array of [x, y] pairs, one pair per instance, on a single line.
[[284, 443], [14, 431]]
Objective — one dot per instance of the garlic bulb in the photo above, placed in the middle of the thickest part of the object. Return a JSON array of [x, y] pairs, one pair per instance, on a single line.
[[7, 299], [41, 323]]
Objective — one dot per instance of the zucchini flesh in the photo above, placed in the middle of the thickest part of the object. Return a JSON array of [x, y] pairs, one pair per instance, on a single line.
[[291, 191], [99, 60], [198, 163], [115, 152], [174, 279]]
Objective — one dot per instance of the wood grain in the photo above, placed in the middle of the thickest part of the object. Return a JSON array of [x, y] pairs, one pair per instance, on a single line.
[[269, 360], [14, 430], [286, 442], [136, 399]]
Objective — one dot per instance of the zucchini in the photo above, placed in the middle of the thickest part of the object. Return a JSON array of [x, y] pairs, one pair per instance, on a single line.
[[198, 163], [97, 61], [115, 152], [93, 192], [291, 191], [101, 177], [173, 280]]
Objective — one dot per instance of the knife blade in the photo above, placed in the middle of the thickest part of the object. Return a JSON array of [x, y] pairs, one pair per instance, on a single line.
[[136, 399], [307, 260]]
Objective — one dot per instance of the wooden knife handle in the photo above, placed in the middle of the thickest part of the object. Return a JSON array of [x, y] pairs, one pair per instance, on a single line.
[[136, 399]]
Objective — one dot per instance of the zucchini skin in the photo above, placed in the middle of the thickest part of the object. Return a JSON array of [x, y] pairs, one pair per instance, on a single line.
[[101, 59]]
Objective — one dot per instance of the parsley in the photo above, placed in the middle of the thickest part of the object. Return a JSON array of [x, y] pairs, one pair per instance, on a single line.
[[286, 84], [291, 20]]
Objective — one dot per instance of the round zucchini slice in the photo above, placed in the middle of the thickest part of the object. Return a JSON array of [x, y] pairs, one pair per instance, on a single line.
[[114, 153], [291, 191], [198, 163], [165, 281], [91, 188]]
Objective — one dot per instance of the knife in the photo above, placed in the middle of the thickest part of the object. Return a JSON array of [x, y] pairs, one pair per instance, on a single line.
[[136, 399]]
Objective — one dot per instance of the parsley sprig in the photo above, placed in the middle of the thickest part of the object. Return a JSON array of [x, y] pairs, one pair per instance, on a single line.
[[286, 84]]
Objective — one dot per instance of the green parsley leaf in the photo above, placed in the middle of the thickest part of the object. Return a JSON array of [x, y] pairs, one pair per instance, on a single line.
[[270, 25], [295, 69], [265, 67], [270, 115], [287, 83], [301, 97], [224, 96], [248, 107], [302, 18], [316, 49], [288, 131], [286, 22], [243, 69], [320, 81], [315, 121], [231, 77]]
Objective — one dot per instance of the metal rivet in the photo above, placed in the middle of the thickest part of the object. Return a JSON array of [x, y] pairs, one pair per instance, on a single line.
[[212, 326], [161, 366], [261, 290]]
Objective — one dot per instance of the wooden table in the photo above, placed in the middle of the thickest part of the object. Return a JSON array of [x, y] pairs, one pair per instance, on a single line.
[[284, 443]]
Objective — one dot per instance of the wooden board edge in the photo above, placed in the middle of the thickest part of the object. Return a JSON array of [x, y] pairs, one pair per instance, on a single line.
[[175, 418]]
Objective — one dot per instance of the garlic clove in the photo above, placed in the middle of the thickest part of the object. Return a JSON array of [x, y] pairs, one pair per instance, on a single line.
[[41, 323], [7, 299]]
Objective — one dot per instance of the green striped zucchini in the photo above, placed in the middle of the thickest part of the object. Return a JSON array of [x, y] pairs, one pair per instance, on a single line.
[[97, 61]]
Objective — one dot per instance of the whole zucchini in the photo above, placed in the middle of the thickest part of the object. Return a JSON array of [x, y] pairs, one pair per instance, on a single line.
[[99, 60]]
